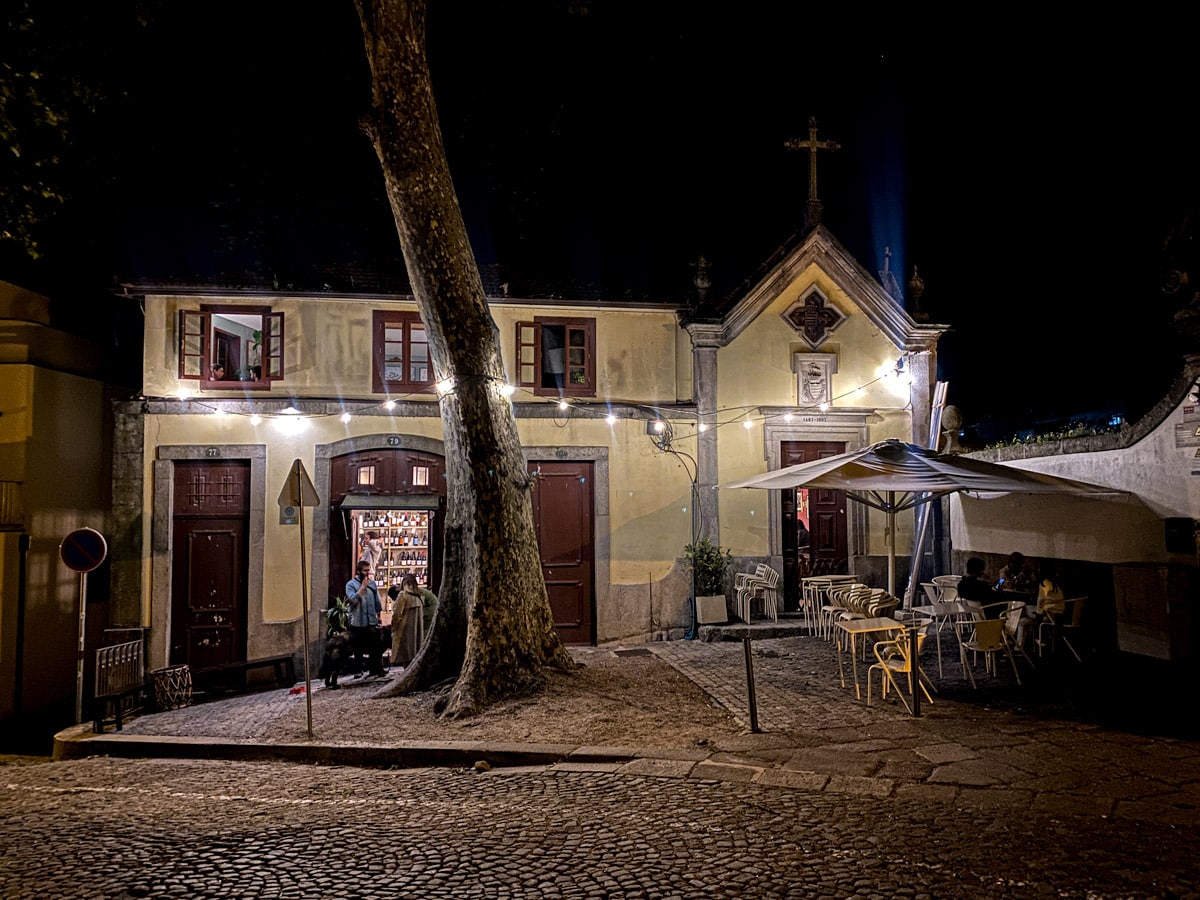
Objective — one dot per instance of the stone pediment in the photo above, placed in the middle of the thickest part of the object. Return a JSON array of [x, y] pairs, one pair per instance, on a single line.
[[814, 316]]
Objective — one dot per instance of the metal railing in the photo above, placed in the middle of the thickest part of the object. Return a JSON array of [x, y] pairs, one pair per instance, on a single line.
[[119, 669]]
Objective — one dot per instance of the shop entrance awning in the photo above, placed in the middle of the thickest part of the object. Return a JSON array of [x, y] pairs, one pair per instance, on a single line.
[[389, 501]]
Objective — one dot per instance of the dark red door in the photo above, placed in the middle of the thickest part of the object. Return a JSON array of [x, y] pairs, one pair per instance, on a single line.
[[209, 563], [562, 515], [822, 512]]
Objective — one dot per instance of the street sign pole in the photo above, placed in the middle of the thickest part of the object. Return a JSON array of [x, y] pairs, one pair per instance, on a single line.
[[83, 550], [298, 492], [304, 606], [79, 653]]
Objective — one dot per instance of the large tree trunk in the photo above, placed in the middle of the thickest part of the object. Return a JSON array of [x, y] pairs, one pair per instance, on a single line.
[[493, 629]]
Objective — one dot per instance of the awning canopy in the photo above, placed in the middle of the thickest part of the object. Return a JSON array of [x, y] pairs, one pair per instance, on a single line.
[[918, 475], [892, 476], [390, 501]]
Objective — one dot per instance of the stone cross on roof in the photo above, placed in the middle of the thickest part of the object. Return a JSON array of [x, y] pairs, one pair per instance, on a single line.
[[812, 145]]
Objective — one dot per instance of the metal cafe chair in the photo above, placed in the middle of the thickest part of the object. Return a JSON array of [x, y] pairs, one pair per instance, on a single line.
[[986, 636], [894, 657]]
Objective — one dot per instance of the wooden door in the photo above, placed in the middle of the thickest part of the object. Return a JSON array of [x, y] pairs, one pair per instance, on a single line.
[[826, 521], [209, 563], [562, 515]]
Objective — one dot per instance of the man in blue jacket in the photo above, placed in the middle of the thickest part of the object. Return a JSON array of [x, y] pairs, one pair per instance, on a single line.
[[365, 607]]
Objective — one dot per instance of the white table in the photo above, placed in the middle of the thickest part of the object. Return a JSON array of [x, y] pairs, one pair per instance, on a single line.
[[855, 627]]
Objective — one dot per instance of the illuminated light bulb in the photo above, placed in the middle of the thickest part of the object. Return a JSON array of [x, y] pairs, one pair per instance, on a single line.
[[346, 418], [787, 417], [290, 426], [823, 406], [859, 392], [659, 426], [445, 386], [219, 412], [291, 411], [611, 419], [183, 393], [562, 404], [703, 426], [256, 419], [747, 424], [390, 404], [507, 390]]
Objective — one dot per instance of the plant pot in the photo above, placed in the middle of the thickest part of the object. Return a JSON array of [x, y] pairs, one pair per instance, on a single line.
[[711, 610]]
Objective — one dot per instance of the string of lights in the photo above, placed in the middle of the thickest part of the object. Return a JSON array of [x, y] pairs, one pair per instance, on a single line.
[[661, 427]]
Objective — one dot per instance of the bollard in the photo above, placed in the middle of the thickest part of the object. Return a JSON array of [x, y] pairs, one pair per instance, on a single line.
[[750, 686], [914, 671]]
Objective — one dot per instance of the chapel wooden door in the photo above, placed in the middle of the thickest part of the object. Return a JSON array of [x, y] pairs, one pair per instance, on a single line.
[[824, 514]]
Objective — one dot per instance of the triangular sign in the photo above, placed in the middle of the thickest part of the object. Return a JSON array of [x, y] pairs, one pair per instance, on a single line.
[[298, 490]]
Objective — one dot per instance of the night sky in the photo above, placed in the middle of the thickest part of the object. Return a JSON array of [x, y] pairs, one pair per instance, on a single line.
[[1032, 171]]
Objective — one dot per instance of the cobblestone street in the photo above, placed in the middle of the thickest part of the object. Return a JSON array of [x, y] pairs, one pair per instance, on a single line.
[[113, 828], [1000, 792]]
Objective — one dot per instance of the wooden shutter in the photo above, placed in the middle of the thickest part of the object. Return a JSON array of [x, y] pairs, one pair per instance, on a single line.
[[529, 354], [272, 346], [193, 344]]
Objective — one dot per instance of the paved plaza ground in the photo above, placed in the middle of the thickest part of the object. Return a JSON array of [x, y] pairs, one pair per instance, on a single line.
[[1035, 790]]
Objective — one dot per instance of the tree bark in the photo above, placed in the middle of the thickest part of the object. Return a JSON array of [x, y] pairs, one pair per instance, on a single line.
[[493, 630]]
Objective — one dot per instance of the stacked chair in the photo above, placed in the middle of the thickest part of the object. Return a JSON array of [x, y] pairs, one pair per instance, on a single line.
[[761, 584]]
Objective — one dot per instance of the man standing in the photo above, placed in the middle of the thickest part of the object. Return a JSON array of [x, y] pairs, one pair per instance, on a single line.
[[363, 596]]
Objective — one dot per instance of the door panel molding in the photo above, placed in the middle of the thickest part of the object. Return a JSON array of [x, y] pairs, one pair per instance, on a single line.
[[259, 643]]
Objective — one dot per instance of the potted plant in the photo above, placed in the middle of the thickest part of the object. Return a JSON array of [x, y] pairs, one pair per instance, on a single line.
[[710, 566]]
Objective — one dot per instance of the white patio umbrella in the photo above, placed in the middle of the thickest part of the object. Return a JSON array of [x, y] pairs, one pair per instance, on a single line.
[[893, 476]]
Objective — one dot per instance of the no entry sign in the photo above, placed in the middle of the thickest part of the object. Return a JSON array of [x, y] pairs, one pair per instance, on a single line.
[[83, 549]]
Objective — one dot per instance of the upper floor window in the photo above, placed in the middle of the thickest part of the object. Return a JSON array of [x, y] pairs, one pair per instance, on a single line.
[[400, 353], [557, 357], [219, 344]]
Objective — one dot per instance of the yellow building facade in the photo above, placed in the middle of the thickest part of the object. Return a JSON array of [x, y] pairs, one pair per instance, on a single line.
[[641, 411], [54, 479]]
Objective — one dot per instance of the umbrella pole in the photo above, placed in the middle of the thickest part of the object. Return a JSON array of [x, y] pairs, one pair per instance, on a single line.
[[891, 542]]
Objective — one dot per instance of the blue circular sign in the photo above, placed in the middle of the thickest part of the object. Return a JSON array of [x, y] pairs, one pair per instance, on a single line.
[[83, 549]]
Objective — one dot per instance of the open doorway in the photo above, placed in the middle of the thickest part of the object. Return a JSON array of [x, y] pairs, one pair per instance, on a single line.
[[812, 522]]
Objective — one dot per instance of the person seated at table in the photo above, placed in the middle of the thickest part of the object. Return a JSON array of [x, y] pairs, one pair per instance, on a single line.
[[973, 586], [1016, 576], [1050, 601], [1051, 598]]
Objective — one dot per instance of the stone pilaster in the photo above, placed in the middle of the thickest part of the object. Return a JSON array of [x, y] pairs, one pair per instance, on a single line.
[[706, 340], [125, 525]]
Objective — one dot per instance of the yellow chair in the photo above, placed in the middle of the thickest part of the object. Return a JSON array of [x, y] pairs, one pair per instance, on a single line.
[[984, 636], [895, 658]]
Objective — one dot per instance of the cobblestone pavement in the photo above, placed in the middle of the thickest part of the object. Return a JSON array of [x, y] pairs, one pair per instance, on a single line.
[[996, 746], [1000, 791], [116, 828]]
